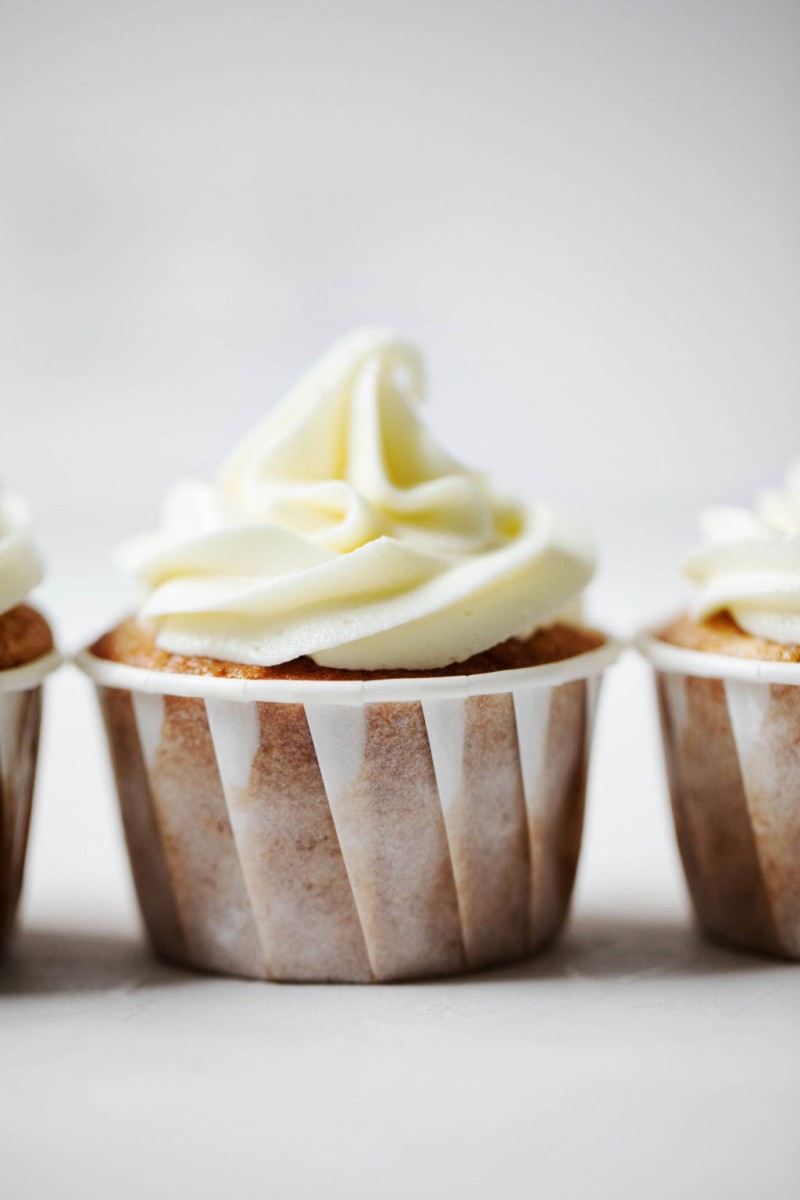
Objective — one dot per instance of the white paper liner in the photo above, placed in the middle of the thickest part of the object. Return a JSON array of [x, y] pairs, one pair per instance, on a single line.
[[678, 660], [290, 833], [731, 731], [110, 674], [30, 675]]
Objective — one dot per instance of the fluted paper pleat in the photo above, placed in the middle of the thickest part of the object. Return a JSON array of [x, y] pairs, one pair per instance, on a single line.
[[766, 728], [293, 868], [13, 706], [15, 766], [446, 725], [713, 797], [532, 715], [555, 811], [20, 719], [673, 710], [488, 835], [476, 762], [192, 816], [142, 832], [378, 773], [592, 686]]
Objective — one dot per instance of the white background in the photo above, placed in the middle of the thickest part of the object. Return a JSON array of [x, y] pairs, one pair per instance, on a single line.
[[587, 215]]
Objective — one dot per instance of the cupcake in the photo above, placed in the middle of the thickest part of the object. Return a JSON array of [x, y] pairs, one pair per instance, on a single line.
[[728, 679], [350, 721], [26, 657]]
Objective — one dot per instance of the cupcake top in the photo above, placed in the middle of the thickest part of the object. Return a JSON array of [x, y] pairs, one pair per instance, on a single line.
[[340, 530], [20, 567], [749, 564]]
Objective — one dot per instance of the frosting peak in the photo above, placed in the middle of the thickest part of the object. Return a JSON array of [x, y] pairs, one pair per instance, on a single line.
[[341, 530], [20, 568], [346, 458], [749, 564]]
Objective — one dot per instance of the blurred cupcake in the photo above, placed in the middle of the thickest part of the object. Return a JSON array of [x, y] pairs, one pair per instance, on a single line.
[[350, 723], [728, 676], [26, 656]]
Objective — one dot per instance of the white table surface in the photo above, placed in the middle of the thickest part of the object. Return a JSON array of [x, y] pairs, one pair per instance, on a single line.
[[634, 1060]]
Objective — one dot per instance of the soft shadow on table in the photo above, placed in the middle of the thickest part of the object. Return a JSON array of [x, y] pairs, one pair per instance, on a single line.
[[48, 961], [45, 962], [605, 946]]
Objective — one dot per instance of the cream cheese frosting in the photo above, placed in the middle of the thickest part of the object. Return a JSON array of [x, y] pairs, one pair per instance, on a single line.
[[339, 529], [749, 564], [20, 568]]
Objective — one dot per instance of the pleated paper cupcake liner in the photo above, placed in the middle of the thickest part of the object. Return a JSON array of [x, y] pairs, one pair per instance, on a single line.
[[731, 731], [352, 831], [20, 722]]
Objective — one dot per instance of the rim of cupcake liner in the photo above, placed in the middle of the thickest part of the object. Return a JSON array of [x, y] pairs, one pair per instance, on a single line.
[[30, 674], [702, 664], [123, 676]]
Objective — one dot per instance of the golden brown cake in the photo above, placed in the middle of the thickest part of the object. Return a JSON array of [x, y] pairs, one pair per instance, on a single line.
[[130, 643], [720, 634], [24, 636]]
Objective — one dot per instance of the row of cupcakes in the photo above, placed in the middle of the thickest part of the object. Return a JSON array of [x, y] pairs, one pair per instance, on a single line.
[[350, 723]]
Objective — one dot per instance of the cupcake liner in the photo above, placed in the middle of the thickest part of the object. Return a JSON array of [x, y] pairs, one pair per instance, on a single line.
[[731, 731], [351, 831], [20, 723]]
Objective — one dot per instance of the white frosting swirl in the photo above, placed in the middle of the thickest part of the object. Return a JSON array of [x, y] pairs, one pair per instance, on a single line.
[[340, 530], [20, 568], [749, 564]]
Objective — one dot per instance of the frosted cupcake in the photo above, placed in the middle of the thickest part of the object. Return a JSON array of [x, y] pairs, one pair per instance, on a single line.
[[26, 657], [728, 675], [350, 722]]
